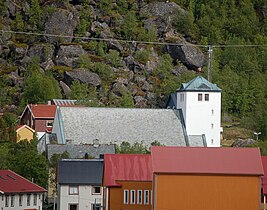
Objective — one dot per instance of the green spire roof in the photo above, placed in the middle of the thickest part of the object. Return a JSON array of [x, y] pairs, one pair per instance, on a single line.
[[199, 84]]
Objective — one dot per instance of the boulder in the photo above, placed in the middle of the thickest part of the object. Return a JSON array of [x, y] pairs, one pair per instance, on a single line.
[[243, 142], [43, 51], [190, 55], [83, 75], [65, 88], [61, 22], [140, 102], [119, 89], [69, 54]]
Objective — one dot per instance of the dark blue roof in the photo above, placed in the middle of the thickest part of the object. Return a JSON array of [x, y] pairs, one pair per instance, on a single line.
[[81, 172]]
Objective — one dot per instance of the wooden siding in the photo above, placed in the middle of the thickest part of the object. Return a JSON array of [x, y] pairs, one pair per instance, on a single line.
[[25, 133], [116, 196], [206, 192]]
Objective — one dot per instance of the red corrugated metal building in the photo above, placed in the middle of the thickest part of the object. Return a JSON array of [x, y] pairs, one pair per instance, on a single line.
[[127, 181], [189, 178]]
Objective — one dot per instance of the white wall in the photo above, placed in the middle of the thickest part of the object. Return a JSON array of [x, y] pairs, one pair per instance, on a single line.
[[24, 202], [84, 199], [199, 116]]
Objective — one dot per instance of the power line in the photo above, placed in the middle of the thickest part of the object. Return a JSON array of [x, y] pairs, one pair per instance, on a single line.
[[131, 41]]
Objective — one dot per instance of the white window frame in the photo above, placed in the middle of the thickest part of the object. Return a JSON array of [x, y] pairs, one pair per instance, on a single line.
[[73, 190], [207, 97], [12, 199], [200, 97], [28, 199], [126, 197], [139, 196], [146, 197], [96, 193], [132, 197], [6, 200], [20, 199]]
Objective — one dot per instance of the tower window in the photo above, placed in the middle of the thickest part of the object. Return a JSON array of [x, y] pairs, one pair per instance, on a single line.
[[212, 141], [212, 112], [212, 125], [207, 97], [181, 97], [199, 97]]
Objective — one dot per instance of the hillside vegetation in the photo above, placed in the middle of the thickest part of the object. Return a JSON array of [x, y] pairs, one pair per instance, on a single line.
[[132, 54]]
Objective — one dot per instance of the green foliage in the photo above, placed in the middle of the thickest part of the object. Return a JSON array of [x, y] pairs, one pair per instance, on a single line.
[[8, 124], [113, 57], [3, 8], [19, 23], [35, 14], [85, 18], [40, 88], [129, 28], [105, 6], [24, 159], [126, 100], [142, 56], [85, 95], [184, 22], [103, 70], [136, 148]]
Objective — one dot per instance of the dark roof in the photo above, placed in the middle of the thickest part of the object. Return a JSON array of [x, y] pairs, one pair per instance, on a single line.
[[172, 101], [11, 182], [84, 172], [206, 160], [264, 177], [199, 84], [127, 167], [79, 150]]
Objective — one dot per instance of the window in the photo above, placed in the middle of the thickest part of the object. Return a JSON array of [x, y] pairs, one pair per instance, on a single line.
[[199, 97], [139, 197], [181, 97], [146, 197], [73, 207], [132, 196], [96, 190], [7, 201], [73, 190], [20, 200], [49, 123], [28, 199], [125, 197], [212, 112], [212, 125], [12, 200], [212, 141], [35, 199], [207, 97], [96, 206]]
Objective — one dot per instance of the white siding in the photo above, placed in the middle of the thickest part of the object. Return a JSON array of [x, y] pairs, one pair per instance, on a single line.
[[202, 117], [84, 199], [24, 202]]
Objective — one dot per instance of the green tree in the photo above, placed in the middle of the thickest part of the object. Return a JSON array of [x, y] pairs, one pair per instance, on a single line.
[[24, 159]]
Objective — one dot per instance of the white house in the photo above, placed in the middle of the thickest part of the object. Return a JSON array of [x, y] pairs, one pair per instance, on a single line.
[[200, 102], [79, 184], [18, 193]]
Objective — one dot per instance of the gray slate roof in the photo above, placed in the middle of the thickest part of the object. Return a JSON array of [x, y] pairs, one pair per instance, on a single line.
[[81, 172], [197, 141], [85, 124], [199, 84], [79, 151]]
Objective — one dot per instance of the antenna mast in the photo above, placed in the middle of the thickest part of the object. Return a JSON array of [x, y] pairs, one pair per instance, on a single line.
[[209, 63]]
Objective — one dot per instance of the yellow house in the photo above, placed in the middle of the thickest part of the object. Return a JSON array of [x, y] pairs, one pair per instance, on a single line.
[[25, 132]]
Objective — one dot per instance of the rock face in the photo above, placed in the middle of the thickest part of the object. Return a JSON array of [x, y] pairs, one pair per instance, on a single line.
[[82, 75], [61, 22], [69, 54], [243, 142], [190, 56], [42, 51]]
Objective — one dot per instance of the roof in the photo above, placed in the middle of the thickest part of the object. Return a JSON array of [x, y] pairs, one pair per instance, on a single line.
[[86, 124], [19, 127], [126, 167], [64, 102], [11, 182], [264, 177], [41, 110], [88, 172], [206, 160], [79, 151], [197, 140], [199, 84], [172, 101]]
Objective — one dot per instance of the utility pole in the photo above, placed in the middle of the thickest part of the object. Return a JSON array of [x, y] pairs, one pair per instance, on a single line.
[[209, 63]]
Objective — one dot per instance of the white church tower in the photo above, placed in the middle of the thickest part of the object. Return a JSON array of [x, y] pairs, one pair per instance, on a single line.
[[200, 102]]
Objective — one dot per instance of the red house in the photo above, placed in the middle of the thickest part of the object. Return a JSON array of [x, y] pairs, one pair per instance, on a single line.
[[127, 182], [264, 182], [18, 193], [39, 117]]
